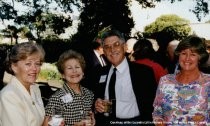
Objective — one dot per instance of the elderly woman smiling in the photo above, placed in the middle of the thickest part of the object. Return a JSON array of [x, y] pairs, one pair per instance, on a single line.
[[72, 101]]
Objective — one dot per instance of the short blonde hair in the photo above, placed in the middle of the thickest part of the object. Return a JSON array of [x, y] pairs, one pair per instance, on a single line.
[[21, 52]]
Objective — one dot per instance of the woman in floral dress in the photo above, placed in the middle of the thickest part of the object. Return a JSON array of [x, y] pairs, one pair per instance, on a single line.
[[182, 98]]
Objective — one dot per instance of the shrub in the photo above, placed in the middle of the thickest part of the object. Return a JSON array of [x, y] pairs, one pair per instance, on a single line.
[[49, 72]]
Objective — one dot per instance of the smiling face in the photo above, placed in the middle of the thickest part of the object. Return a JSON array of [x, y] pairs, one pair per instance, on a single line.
[[27, 70], [188, 60], [73, 72], [114, 50]]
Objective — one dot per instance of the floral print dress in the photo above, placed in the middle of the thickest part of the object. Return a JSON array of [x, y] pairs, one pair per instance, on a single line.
[[182, 104]]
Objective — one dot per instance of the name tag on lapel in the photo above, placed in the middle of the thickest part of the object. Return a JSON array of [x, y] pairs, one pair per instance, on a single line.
[[67, 98], [102, 79]]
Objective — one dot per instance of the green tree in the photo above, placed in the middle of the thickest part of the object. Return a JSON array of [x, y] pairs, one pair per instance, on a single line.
[[40, 22], [11, 32], [200, 9], [7, 11], [173, 25], [14, 32], [100, 14], [38, 16], [96, 14], [26, 33]]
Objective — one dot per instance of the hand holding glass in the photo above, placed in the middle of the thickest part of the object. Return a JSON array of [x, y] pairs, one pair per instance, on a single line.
[[88, 119], [56, 120], [107, 107]]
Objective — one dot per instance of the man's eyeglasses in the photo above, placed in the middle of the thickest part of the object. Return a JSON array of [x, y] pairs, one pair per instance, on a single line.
[[115, 45]]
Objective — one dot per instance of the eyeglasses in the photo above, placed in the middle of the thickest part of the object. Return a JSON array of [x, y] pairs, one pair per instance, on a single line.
[[115, 45]]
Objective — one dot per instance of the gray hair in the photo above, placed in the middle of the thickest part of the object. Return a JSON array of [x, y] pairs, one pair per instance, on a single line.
[[112, 33]]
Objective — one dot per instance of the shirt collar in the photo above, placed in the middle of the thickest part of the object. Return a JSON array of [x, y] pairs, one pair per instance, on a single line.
[[97, 54], [68, 89], [122, 66]]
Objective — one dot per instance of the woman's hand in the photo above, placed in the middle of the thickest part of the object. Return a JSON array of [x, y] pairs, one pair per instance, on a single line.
[[62, 123], [79, 123], [93, 121], [48, 119], [88, 120]]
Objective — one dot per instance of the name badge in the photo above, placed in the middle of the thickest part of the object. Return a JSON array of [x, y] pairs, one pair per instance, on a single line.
[[102, 79], [67, 98]]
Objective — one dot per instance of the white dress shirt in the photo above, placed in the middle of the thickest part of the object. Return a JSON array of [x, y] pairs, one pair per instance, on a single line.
[[101, 60], [18, 107], [126, 105]]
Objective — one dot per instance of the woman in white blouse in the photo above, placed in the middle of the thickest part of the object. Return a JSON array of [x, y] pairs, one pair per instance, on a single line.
[[20, 100]]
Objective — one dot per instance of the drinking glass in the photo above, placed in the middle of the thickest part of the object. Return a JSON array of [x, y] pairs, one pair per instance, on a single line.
[[107, 107], [56, 119]]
